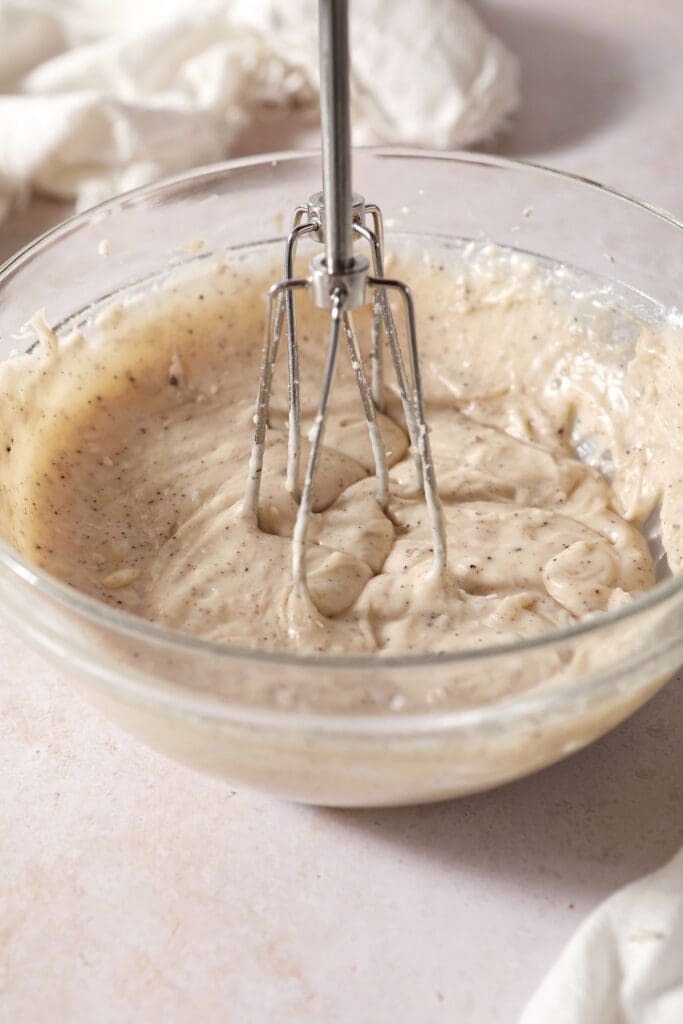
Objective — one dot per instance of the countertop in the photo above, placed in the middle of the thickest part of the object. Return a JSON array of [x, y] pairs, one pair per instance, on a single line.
[[134, 890]]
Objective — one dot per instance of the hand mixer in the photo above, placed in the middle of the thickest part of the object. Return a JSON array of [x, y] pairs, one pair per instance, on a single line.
[[339, 280]]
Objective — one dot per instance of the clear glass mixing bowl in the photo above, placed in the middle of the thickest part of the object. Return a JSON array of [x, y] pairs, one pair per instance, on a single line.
[[260, 718]]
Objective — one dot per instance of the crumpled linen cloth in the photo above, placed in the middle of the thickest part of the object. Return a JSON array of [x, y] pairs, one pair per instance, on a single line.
[[624, 965], [97, 97]]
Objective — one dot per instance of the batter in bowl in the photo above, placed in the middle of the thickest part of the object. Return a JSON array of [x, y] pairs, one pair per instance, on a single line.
[[134, 436]]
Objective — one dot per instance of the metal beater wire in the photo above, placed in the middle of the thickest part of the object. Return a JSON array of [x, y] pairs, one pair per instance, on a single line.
[[303, 517]]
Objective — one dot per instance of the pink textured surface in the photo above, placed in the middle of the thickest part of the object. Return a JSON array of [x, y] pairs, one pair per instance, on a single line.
[[135, 890]]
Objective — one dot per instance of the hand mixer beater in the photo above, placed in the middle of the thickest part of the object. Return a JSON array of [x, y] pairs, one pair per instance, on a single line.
[[339, 280]]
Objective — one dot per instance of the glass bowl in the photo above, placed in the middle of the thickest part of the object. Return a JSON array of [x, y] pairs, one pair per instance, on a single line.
[[334, 730]]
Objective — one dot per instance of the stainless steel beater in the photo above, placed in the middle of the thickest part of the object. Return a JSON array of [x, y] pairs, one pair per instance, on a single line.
[[339, 280]]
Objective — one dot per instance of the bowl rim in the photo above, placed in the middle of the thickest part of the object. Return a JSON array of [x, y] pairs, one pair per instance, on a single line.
[[132, 625]]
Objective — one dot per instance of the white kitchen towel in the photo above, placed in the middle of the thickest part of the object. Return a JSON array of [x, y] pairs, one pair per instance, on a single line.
[[97, 97], [625, 963]]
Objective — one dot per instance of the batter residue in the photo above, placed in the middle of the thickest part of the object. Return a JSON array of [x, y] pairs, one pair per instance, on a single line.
[[125, 451]]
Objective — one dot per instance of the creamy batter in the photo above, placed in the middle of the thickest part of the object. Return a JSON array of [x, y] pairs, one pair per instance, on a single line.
[[141, 423]]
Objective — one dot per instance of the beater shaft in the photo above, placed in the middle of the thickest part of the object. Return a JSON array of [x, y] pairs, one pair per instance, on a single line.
[[335, 118]]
